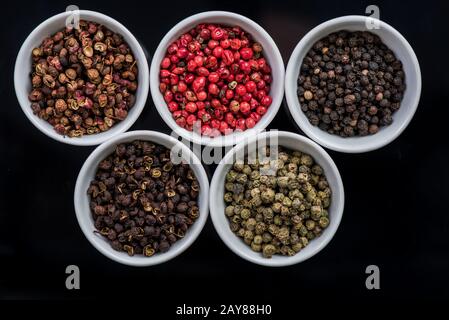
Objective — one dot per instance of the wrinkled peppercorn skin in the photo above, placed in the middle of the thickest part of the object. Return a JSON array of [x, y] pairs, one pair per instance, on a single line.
[[138, 211]]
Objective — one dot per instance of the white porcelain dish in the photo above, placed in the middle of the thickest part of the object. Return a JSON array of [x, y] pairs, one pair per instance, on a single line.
[[401, 118], [295, 142], [84, 215], [22, 82], [271, 53]]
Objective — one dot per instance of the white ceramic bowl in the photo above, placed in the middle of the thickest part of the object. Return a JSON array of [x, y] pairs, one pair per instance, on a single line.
[[401, 118], [23, 65], [294, 142], [271, 53], [84, 215]]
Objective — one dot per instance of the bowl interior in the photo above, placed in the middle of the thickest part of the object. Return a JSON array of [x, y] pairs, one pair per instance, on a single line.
[[83, 211], [293, 142], [271, 53], [24, 63], [401, 117]]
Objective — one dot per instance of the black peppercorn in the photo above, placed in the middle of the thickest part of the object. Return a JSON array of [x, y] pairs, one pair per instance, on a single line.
[[350, 75]]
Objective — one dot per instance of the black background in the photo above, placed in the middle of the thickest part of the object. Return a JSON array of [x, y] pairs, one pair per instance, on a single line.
[[395, 215]]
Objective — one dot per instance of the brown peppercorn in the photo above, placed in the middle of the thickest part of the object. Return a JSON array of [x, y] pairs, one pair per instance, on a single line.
[[69, 71]]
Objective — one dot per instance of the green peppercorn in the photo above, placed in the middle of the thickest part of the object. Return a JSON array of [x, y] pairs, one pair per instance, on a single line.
[[238, 166], [268, 196], [310, 224], [282, 182], [251, 224], [256, 247], [287, 202], [231, 176], [306, 160], [324, 222], [278, 205], [315, 212], [277, 220], [258, 239], [260, 228], [229, 211], [297, 247], [267, 237], [228, 197], [259, 217], [268, 250], [245, 214]]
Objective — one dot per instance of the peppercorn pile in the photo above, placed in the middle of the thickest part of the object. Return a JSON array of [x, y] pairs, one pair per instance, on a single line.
[[215, 79], [84, 80], [350, 84], [140, 201], [281, 213]]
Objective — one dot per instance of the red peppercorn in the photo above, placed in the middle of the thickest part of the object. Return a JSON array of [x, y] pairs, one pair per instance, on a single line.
[[215, 123], [226, 43], [213, 77], [205, 34], [191, 107], [199, 60], [200, 105], [245, 107], [266, 101], [250, 123], [220, 77], [223, 127], [215, 103], [234, 106], [202, 95], [168, 96], [211, 62], [235, 44], [255, 116], [218, 34], [229, 118], [182, 86], [172, 106], [228, 57], [240, 90], [261, 110], [191, 119], [240, 124], [212, 44], [217, 52], [213, 89], [198, 84], [181, 121], [182, 53], [229, 94], [250, 86], [165, 73], [189, 78], [165, 63], [191, 66], [245, 67], [202, 71], [206, 130]]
